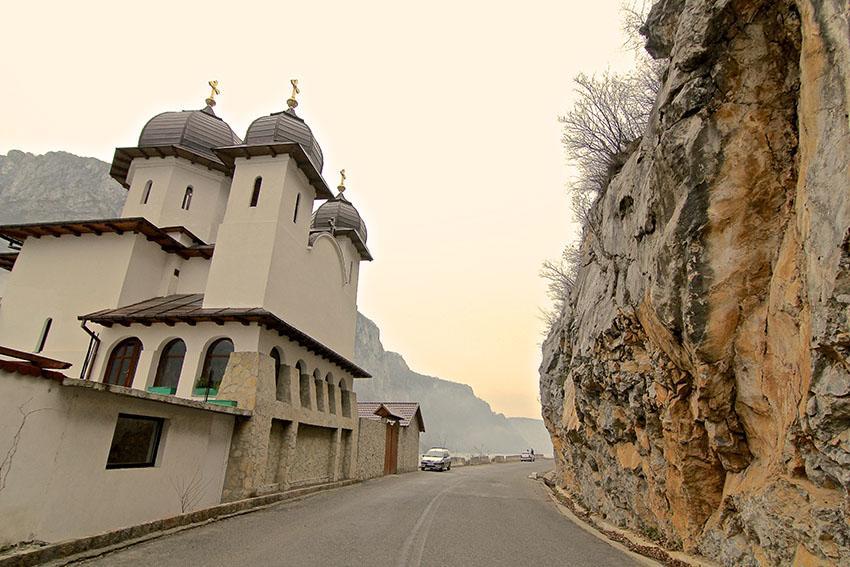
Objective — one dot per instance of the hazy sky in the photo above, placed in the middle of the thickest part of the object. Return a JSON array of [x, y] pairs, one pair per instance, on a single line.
[[444, 115]]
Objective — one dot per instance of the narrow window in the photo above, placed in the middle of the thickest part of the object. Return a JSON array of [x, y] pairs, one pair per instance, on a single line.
[[297, 202], [331, 393], [147, 192], [320, 390], [276, 358], [170, 365], [44, 331], [121, 367], [255, 196], [215, 363], [135, 442], [187, 199]]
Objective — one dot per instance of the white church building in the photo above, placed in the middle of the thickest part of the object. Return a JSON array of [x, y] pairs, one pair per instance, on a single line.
[[194, 350]]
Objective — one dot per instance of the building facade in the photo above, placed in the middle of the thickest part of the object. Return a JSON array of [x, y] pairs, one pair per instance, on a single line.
[[218, 286], [388, 438]]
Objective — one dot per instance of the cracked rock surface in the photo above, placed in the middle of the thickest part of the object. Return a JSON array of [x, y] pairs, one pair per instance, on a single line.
[[697, 384]]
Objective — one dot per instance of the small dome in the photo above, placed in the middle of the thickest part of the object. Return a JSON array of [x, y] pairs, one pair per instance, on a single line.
[[285, 127], [338, 213], [196, 130]]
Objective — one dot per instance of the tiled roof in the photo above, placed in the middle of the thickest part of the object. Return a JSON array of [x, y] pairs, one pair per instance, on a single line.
[[405, 410], [31, 364], [189, 308]]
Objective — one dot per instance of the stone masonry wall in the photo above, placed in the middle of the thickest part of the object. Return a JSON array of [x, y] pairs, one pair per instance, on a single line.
[[408, 449], [371, 444]]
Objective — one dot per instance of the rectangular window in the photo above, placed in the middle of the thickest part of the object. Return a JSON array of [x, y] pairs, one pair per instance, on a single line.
[[135, 443]]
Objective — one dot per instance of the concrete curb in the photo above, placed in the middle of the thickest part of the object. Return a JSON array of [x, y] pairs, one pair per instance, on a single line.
[[78, 549]]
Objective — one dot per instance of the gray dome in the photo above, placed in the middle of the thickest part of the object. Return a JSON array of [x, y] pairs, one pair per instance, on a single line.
[[196, 130], [285, 127], [340, 213]]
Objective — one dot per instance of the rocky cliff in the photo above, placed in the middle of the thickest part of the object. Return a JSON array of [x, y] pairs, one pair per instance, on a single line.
[[697, 385], [56, 186]]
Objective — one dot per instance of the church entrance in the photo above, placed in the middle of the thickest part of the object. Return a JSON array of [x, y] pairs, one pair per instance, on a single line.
[[391, 450]]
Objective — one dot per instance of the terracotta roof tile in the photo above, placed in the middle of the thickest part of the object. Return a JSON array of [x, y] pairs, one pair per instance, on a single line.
[[405, 410]]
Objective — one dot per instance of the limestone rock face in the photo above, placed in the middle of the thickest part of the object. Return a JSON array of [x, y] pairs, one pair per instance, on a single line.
[[697, 385]]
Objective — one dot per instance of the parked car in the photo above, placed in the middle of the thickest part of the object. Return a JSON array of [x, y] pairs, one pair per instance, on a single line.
[[436, 459], [527, 456]]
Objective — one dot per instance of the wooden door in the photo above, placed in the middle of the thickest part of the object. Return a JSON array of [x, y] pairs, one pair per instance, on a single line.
[[391, 450]]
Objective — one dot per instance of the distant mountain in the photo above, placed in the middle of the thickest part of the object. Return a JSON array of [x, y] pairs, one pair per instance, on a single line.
[[63, 186], [56, 186], [454, 416]]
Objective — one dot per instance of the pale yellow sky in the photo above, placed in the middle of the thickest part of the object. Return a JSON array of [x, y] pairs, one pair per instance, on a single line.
[[444, 115]]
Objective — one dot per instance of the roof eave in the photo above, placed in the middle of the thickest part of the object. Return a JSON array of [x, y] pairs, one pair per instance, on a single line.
[[123, 157], [98, 227], [228, 155]]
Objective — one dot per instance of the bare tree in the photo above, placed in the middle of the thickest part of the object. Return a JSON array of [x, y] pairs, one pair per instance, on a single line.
[[189, 491], [611, 112], [608, 118]]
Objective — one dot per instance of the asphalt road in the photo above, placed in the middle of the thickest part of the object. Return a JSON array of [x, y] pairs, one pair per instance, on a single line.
[[485, 515]]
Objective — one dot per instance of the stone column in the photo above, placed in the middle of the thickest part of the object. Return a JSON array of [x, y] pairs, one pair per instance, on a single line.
[[336, 455], [287, 454], [290, 380], [249, 381], [333, 396], [192, 364]]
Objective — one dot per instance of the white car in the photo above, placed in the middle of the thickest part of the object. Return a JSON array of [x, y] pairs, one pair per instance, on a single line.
[[527, 456], [436, 459]]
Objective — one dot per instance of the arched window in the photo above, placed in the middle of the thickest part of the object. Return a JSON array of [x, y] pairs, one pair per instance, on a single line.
[[320, 390], [187, 199], [275, 354], [43, 337], [297, 202], [255, 196], [331, 393], [215, 363], [147, 192], [170, 365], [121, 367]]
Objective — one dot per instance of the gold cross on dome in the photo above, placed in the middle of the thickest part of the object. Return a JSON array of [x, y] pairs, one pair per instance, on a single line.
[[214, 86], [341, 185], [295, 91]]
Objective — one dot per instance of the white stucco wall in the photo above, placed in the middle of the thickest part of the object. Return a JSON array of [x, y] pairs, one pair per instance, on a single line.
[[58, 486], [262, 257], [171, 176], [65, 277]]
